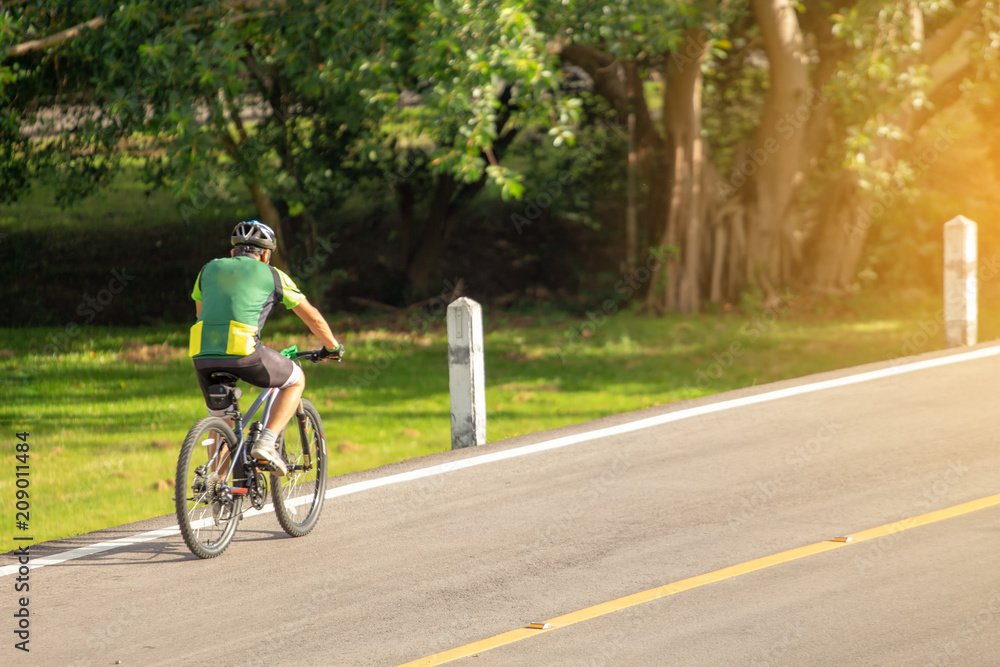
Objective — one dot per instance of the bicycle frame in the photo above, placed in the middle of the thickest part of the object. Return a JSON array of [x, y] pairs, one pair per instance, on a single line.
[[265, 398]]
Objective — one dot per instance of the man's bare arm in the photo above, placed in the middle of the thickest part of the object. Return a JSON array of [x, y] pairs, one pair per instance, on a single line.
[[197, 308], [316, 323]]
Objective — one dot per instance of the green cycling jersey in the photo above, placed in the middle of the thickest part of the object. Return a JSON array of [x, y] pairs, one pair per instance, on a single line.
[[236, 296]]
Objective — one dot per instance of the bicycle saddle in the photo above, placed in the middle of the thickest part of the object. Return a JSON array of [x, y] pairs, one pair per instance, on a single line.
[[224, 378]]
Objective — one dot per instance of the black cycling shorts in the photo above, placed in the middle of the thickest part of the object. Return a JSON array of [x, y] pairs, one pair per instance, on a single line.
[[263, 368]]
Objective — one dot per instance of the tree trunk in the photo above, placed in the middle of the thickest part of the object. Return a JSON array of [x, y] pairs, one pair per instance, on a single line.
[[427, 252], [737, 253], [627, 97], [450, 199], [268, 214], [719, 249], [838, 239], [845, 214], [777, 154], [405, 201], [682, 107], [632, 168]]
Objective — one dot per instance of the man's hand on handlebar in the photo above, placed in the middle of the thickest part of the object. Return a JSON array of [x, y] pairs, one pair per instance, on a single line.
[[336, 353]]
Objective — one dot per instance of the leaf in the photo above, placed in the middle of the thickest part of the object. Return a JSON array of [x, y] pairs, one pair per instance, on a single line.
[[513, 189]]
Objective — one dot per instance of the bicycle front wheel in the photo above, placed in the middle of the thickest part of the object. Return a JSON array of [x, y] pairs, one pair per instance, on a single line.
[[206, 511], [298, 496]]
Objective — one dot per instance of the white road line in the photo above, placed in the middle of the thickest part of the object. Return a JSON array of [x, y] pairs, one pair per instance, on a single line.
[[493, 457]]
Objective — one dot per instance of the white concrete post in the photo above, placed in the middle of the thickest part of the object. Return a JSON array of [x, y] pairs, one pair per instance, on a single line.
[[466, 373], [960, 289]]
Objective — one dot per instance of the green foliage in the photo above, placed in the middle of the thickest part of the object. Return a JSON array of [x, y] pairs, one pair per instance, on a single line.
[[640, 30], [313, 103], [483, 75], [340, 92], [886, 72], [56, 95], [734, 90], [907, 248], [985, 91]]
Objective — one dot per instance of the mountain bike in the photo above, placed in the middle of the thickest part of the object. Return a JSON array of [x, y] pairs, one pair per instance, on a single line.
[[218, 481]]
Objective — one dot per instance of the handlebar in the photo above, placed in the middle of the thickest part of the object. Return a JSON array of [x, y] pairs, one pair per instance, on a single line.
[[315, 356]]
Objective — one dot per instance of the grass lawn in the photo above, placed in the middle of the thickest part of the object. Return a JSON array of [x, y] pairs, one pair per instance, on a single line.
[[107, 412]]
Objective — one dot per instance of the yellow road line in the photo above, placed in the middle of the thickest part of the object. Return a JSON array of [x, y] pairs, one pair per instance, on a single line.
[[700, 580]]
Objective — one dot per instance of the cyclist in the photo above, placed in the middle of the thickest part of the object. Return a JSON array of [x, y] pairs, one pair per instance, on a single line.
[[233, 297]]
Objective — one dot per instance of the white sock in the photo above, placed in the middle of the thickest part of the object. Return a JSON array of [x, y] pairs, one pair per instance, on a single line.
[[267, 437]]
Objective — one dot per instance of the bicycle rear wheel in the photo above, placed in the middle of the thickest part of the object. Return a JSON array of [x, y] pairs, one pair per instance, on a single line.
[[298, 496], [206, 512]]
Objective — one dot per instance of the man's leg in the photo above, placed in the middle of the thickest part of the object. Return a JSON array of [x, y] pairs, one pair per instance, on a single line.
[[285, 405], [221, 462], [282, 409]]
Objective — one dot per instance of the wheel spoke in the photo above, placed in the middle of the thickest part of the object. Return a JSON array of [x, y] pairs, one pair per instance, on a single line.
[[207, 518], [298, 496]]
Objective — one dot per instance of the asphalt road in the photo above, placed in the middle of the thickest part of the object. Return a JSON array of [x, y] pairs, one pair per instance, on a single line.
[[406, 570]]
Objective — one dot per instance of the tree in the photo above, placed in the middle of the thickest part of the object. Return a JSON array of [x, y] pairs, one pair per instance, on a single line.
[[39, 90], [428, 101], [449, 98], [846, 93], [302, 101], [904, 64], [685, 219], [620, 46]]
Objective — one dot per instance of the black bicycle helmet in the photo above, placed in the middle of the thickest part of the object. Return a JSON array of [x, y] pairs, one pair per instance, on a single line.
[[256, 233]]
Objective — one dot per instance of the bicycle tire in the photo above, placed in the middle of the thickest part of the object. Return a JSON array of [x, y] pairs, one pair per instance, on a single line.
[[298, 496], [207, 519]]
